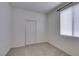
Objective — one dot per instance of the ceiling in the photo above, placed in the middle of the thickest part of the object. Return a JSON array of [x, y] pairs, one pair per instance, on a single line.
[[43, 7]]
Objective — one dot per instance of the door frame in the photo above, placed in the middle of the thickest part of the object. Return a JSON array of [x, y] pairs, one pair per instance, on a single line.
[[35, 29]]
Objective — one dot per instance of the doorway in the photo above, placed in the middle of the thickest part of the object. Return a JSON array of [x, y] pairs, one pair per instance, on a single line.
[[30, 31]]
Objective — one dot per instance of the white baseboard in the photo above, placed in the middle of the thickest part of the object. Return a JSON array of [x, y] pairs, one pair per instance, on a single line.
[[23, 44]]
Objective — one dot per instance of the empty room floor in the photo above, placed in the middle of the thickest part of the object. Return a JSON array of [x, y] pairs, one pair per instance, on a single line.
[[41, 49]]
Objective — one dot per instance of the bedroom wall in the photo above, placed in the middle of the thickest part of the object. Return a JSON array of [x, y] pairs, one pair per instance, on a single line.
[[5, 28], [19, 17]]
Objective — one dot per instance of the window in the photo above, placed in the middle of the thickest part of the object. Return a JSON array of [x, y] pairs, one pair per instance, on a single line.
[[69, 21]]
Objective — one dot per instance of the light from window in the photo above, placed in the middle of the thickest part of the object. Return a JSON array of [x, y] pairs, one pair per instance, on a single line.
[[69, 21]]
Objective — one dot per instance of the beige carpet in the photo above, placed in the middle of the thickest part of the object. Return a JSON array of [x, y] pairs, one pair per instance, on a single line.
[[42, 49]]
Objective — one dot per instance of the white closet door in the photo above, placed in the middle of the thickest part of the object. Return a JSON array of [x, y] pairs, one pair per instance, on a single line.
[[30, 32], [76, 20], [66, 22]]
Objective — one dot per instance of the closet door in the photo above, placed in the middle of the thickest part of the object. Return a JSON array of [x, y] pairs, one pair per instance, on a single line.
[[30, 31]]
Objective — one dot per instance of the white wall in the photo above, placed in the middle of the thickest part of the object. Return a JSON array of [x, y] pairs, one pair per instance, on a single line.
[[69, 45], [19, 17], [5, 28]]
